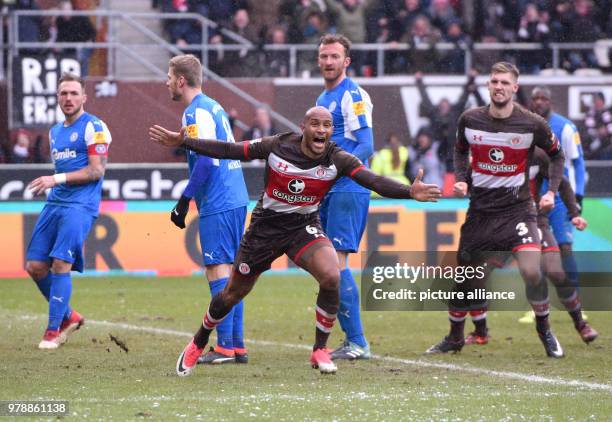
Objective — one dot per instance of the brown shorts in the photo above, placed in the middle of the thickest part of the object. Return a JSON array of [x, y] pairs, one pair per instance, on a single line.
[[549, 243], [267, 238], [511, 231]]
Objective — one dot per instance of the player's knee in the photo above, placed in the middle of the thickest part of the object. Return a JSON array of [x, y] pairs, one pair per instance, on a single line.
[[59, 267], [557, 277], [37, 270], [329, 279], [531, 275]]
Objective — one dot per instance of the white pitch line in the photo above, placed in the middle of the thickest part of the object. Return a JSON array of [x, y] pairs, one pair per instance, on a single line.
[[411, 362], [419, 363]]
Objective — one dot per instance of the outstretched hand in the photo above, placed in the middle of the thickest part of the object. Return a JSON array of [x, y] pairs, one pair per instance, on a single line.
[[163, 136], [424, 192], [580, 223]]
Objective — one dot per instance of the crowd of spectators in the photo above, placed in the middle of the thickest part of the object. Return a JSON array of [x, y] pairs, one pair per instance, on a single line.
[[418, 23]]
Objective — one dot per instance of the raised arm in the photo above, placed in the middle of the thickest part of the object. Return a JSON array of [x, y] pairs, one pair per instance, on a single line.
[[390, 188]]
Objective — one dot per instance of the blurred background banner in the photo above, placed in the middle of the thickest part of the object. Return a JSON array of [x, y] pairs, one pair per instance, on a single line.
[[116, 242]]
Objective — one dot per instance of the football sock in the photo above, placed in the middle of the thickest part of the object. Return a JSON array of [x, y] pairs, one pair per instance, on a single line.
[[59, 299], [571, 303], [349, 314], [571, 269], [326, 310], [217, 310], [457, 321], [224, 328], [44, 286], [238, 326], [479, 318]]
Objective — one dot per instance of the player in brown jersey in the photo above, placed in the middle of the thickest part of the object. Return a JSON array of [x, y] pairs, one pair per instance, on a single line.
[[501, 216], [300, 170], [551, 257]]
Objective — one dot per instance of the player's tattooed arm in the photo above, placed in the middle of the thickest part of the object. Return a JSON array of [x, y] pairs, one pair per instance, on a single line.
[[92, 172]]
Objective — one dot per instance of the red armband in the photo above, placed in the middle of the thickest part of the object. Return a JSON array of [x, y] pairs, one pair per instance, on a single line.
[[98, 149], [361, 167]]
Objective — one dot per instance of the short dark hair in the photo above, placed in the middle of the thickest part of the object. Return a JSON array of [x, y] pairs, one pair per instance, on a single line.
[[189, 67], [542, 90], [337, 38], [71, 77], [505, 67]]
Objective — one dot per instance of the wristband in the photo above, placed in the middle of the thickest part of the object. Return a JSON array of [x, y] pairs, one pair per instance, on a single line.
[[59, 178]]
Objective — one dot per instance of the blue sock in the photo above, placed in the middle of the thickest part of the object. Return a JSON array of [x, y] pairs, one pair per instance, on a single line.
[[238, 328], [571, 269], [44, 286], [349, 314], [224, 329], [61, 289]]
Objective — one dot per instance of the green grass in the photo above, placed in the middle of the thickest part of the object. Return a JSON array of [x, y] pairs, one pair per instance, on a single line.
[[100, 381]]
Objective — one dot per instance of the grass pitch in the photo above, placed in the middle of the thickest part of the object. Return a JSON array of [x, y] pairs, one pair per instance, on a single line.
[[509, 379]]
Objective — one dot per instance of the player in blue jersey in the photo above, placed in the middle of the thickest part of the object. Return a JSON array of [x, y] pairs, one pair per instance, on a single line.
[[344, 210], [560, 220], [79, 150], [218, 188]]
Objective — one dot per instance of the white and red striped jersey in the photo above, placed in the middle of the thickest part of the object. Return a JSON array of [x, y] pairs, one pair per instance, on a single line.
[[500, 151]]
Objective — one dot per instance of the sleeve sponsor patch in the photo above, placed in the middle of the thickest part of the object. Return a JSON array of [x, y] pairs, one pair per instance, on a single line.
[[192, 131], [99, 137], [359, 108], [98, 149], [576, 138]]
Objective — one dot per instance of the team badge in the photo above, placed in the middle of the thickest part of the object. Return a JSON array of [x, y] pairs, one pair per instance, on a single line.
[[296, 186], [244, 268], [320, 172], [496, 155], [74, 136], [332, 106], [515, 141]]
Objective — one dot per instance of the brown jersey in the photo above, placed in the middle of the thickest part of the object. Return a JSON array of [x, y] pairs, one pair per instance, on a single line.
[[501, 150]]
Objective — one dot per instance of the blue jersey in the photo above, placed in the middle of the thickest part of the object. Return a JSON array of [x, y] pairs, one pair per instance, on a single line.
[[70, 148], [568, 136], [219, 184], [351, 110]]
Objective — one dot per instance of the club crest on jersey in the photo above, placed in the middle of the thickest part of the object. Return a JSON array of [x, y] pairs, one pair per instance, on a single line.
[[496, 155], [321, 172], [296, 186], [332, 106], [74, 136], [244, 268], [515, 141], [282, 166]]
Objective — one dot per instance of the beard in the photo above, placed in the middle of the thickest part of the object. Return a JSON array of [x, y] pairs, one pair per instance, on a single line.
[[76, 111], [500, 104]]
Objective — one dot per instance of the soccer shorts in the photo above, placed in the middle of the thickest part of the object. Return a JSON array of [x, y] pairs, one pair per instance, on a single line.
[[60, 233], [220, 235], [344, 216], [560, 223], [266, 239], [509, 231]]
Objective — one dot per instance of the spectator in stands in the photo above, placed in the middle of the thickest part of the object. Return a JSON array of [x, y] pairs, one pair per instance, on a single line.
[[277, 61], [183, 32], [424, 155], [441, 13], [391, 161], [443, 119], [262, 126], [402, 17], [314, 28], [421, 34], [294, 14], [21, 153], [243, 62], [453, 61], [598, 123], [76, 29], [533, 28], [29, 27]]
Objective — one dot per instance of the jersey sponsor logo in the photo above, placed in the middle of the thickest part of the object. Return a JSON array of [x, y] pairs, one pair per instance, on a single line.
[[496, 155], [359, 108], [244, 268], [74, 136], [498, 168], [99, 137], [192, 131], [63, 155], [296, 186], [292, 199]]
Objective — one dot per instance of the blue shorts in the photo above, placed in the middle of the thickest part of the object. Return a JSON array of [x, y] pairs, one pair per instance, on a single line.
[[560, 223], [343, 217], [220, 235], [60, 233]]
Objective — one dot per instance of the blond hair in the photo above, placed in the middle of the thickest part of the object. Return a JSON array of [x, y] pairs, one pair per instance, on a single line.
[[189, 67]]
